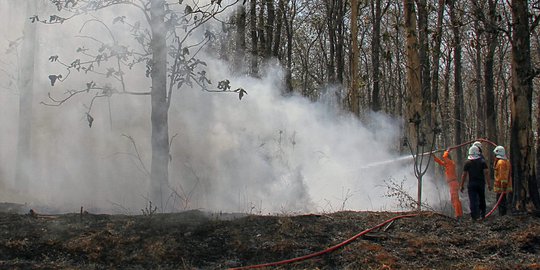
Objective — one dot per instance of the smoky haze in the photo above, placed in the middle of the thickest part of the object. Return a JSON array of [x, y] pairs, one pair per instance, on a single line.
[[263, 154]]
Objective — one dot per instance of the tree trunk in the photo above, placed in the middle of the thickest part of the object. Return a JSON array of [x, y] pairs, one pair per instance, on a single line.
[[240, 49], [352, 96], [375, 54], [415, 125], [269, 26], [437, 40], [254, 68], [521, 138], [260, 31], [458, 86], [23, 170], [331, 17], [289, 16], [423, 50], [159, 116], [413, 97], [492, 39], [340, 41], [277, 32], [446, 124], [480, 107]]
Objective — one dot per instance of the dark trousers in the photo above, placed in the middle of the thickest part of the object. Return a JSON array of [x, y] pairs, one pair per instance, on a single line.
[[477, 201], [503, 204]]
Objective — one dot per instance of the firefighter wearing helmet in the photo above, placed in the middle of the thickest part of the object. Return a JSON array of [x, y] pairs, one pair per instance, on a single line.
[[502, 183], [475, 171], [451, 178], [479, 145]]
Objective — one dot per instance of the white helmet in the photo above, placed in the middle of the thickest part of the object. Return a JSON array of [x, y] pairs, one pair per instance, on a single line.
[[478, 144], [474, 152], [499, 152]]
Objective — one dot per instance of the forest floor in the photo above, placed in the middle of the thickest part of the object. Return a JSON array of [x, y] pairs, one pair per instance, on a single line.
[[199, 240]]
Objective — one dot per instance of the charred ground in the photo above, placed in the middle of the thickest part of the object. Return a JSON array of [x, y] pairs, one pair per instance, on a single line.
[[199, 240]]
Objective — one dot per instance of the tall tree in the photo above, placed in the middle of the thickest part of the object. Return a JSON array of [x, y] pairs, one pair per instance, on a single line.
[[521, 138], [417, 126], [159, 116], [24, 166]]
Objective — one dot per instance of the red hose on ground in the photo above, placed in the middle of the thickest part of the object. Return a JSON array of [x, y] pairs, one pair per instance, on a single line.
[[330, 249], [496, 205]]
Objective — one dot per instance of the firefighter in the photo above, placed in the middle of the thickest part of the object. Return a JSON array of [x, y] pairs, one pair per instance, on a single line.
[[502, 183], [476, 172], [451, 179], [479, 145]]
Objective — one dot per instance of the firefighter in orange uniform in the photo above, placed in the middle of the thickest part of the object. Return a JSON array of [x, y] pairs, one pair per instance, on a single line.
[[451, 179], [502, 183]]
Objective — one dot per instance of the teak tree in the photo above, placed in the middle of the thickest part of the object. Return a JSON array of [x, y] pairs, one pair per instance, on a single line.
[[168, 51]]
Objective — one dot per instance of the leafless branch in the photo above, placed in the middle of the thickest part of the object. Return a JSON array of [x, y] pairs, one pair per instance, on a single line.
[[137, 154]]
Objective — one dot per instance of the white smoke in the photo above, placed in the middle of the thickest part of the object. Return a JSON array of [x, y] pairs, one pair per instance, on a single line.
[[263, 154]]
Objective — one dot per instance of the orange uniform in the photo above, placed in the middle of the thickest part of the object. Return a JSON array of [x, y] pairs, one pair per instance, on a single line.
[[451, 179], [503, 178], [449, 166]]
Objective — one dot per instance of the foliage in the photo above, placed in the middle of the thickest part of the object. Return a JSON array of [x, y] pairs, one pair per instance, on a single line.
[[149, 210], [112, 60], [399, 192]]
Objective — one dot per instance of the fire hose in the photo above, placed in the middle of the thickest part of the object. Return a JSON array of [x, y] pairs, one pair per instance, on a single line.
[[332, 248], [496, 205], [469, 142], [328, 250]]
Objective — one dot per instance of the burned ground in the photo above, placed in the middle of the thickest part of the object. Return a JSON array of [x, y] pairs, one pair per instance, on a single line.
[[199, 240]]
